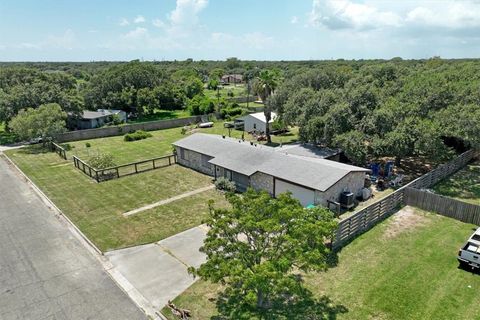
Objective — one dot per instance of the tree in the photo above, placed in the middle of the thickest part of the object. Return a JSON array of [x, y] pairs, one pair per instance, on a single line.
[[265, 85], [45, 122], [258, 247]]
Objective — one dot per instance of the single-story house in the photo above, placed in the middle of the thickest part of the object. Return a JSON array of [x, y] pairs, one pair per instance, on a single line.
[[256, 122], [311, 180], [94, 119], [231, 79]]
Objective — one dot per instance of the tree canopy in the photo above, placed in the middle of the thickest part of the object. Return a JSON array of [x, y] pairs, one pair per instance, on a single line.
[[258, 248], [45, 122]]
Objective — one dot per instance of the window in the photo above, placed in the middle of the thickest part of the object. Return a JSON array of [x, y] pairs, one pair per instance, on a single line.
[[254, 126], [182, 154]]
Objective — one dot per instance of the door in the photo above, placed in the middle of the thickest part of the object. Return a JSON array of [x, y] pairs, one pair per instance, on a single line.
[[304, 195]]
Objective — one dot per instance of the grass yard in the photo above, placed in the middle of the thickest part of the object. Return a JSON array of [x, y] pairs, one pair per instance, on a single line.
[[96, 208], [158, 145], [162, 115], [404, 268], [463, 185]]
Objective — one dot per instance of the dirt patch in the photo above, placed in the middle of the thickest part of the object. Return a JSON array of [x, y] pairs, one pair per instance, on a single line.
[[403, 221]]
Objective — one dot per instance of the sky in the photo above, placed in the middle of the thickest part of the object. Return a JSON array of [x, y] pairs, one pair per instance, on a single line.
[[93, 30]]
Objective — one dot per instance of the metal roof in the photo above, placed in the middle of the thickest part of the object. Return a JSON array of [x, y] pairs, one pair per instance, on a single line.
[[242, 157]]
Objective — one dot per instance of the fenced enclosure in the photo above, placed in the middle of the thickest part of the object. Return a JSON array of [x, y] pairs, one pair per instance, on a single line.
[[125, 169], [465, 212], [58, 150], [366, 218]]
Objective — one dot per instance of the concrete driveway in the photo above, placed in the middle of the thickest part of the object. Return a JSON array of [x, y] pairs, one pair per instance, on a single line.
[[159, 270], [45, 272]]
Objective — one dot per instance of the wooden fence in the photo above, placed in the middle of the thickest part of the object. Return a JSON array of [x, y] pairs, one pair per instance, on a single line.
[[58, 150], [366, 218], [123, 170], [465, 212]]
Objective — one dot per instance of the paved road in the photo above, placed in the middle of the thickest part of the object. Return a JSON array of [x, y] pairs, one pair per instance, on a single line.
[[159, 270], [45, 272]]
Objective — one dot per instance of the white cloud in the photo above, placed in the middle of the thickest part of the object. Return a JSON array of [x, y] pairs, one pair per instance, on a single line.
[[294, 20], [406, 15], [186, 11], [454, 15], [343, 14], [124, 22], [66, 40], [139, 19], [158, 23], [136, 33]]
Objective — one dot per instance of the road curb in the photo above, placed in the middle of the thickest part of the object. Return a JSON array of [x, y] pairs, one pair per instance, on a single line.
[[114, 274]]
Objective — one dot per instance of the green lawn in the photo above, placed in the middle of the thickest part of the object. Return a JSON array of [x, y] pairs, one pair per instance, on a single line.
[[162, 115], [96, 208], [237, 90], [404, 268], [463, 185], [158, 145]]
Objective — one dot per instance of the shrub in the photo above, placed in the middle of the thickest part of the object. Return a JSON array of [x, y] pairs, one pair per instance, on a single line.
[[231, 112], [225, 185], [88, 145], [66, 146], [137, 135], [101, 161]]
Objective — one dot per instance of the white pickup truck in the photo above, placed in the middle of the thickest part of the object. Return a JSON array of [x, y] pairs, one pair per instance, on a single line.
[[469, 254]]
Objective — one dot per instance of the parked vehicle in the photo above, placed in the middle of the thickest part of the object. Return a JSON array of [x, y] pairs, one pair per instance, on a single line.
[[469, 254]]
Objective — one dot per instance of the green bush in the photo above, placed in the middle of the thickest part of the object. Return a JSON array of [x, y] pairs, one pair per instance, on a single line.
[[101, 161], [88, 145], [231, 112], [137, 135], [225, 185]]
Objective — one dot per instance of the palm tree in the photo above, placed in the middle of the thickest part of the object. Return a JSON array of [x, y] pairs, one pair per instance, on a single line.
[[265, 85]]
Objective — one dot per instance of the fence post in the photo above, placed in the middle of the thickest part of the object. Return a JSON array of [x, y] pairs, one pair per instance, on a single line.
[[118, 174], [96, 175], [136, 170]]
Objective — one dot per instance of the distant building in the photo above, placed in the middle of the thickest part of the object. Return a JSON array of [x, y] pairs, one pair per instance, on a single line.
[[256, 122], [231, 79], [94, 119]]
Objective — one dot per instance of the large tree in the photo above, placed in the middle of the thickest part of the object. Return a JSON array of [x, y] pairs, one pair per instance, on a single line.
[[45, 122], [258, 247], [265, 85]]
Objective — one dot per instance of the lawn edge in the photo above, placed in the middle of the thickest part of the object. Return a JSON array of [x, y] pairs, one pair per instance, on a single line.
[[114, 274]]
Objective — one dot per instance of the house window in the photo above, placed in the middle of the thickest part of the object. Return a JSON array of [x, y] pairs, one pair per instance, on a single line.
[[254, 126], [182, 154]]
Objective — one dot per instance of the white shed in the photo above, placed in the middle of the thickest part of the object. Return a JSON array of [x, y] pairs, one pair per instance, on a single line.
[[257, 122]]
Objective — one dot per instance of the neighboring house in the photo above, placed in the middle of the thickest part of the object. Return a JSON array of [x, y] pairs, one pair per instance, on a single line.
[[95, 119], [231, 79], [256, 122], [311, 180]]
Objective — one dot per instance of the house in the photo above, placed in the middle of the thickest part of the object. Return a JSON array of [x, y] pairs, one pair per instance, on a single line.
[[95, 119], [256, 122], [231, 79], [311, 180]]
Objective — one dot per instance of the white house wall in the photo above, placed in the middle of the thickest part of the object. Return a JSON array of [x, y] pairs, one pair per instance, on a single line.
[[254, 124]]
